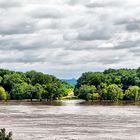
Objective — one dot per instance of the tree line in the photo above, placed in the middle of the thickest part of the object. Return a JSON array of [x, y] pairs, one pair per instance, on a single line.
[[31, 85], [112, 84]]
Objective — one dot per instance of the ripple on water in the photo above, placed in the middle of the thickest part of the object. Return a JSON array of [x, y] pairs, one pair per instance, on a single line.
[[71, 121]]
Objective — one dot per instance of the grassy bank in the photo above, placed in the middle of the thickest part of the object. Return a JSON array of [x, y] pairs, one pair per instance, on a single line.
[[69, 98]]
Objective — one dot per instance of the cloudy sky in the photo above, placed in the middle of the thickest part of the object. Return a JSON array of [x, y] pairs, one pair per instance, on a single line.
[[68, 37]]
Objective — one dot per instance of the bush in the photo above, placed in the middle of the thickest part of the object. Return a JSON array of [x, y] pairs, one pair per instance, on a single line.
[[3, 94], [85, 92], [132, 93], [113, 93], [4, 136], [94, 96]]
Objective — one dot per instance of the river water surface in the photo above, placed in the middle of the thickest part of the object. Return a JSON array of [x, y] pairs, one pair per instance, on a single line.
[[69, 120]]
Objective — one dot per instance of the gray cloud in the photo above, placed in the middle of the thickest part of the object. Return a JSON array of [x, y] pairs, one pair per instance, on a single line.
[[94, 35], [21, 28], [47, 12], [130, 24], [9, 4], [30, 59], [75, 2], [68, 37], [126, 45], [103, 4], [133, 27]]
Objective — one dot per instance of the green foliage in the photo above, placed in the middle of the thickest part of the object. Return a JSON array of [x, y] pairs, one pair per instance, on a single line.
[[113, 93], [94, 96], [85, 92], [3, 94], [102, 90], [132, 93], [67, 88], [30, 92], [4, 136], [39, 90], [40, 78], [32, 85], [5, 72], [138, 72], [1, 79], [52, 91], [110, 84], [10, 80], [18, 91]]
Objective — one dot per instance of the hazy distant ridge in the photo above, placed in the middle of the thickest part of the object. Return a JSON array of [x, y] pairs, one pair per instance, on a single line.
[[70, 81]]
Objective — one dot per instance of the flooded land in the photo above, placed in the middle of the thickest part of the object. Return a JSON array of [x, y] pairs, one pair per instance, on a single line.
[[70, 120]]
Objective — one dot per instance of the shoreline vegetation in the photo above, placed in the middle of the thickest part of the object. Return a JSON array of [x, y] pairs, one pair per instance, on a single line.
[[115, 85], [111, 84], [4, 135], [74, 101], [31, 85]]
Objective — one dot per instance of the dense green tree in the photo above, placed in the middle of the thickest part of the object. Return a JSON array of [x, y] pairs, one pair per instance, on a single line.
[[40, 78], [91, 78], [113, 93], [25, 91], [1, 80], [5, 72], [30, 92], [107, 85], [132, 93], [85, 92], [32, 85], [39, 90], [18, 91], [94, 96], [44, 95], [53, 91], [9, 82], [3, 95], [102, 90], [138, 72], [109, 82]]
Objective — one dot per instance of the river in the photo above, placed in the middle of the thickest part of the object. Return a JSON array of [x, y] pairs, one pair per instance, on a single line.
[[69, 120]]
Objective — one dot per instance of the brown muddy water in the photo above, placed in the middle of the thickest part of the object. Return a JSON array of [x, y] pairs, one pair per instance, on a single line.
[[70, 120]]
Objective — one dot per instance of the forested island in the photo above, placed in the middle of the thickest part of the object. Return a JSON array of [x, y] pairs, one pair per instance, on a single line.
[[112, 84], [31, 85]]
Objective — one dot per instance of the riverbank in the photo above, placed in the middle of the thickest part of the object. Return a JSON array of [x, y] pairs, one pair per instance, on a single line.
[[108, 103], [72, 100]]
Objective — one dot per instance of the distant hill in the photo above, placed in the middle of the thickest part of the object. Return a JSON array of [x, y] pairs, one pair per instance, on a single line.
[[70, 81]]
